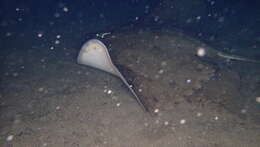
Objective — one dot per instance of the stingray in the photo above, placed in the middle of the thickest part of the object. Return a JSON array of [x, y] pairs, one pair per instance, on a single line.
[[238, 58], [95, 54]]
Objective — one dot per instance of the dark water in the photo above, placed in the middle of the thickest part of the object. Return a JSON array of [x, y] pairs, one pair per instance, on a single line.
[[234, 24]]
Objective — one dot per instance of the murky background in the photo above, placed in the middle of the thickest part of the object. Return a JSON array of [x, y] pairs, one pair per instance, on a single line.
[[194, 64]]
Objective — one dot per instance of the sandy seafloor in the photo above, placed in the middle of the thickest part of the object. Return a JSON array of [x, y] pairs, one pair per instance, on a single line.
[[47, 99]]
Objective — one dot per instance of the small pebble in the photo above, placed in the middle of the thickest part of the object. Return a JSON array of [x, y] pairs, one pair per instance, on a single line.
[[10, 138], [188, 81], [166, 123], [118, 104], [15, 74], [216, 118], [164, 63], [41, 89], [183, 121], [258, 99], [160, 71], [156, 110], [243, 111], [109, 91], [199, 114], [58, 108]]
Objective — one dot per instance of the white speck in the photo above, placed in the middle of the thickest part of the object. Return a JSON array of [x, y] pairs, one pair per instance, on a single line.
[[216, 118], [156, 18], [58, 108], [188, 81], [58, 36], [10, 138], [221, 19], [52, 48], [160, 71], [243, 111], [156, 76], [57, 42], [164, 63], [136, 18], [130, 86], [42, 60], [105, 90], [156, 37], [183, 121], [118, 104], [258, 99], [40, 89], [199, 114], [65, 9], [44, 144], [114, 98], [57, 15], [40, 35], [156, 110], [101, 15], [189, 20], [166, 123], [109, 91], [8, 34], [15, 74], [17, 9], [201, 52], [198, 17], [140, 90], [146, 124], [79, 72]]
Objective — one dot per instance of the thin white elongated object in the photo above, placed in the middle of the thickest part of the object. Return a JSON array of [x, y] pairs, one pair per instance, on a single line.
[[95, 54]]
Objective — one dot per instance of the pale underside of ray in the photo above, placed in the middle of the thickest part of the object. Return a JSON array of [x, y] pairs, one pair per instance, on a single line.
[[95, 54]]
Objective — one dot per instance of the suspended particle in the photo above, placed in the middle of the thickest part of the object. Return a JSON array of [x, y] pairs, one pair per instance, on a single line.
[[40, 35], [201, 52], [65, 9]]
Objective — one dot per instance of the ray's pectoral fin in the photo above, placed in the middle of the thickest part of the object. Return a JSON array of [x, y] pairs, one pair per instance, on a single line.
[[95, 54], [139, 85]]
